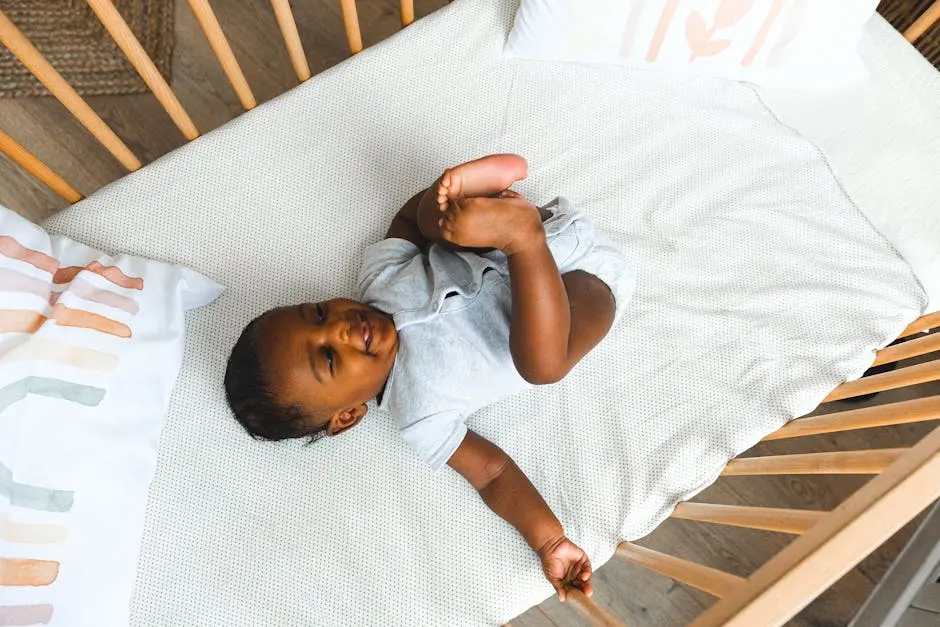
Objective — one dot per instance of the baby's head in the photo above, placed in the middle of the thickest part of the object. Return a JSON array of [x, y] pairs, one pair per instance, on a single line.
[[310, 369]]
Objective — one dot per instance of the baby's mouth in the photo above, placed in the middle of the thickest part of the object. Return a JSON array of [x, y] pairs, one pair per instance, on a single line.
[[366, 329]]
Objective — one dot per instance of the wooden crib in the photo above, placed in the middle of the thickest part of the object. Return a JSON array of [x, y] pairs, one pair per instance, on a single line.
[[828, 543]]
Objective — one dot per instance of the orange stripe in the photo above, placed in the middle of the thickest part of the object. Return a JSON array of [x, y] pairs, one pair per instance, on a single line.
[[111, 273], [25, 572], [25, 321], [662, 28], [11, 248], [20, 321], [68, 317]]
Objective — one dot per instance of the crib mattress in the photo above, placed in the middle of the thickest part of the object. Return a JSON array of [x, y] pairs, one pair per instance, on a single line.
[[760, 287]]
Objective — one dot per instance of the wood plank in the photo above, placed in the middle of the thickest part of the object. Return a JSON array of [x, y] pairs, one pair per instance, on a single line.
[[711, 580], [223, 51], [794, 521], [29, 162], [923, 23], [924, 323], [126, 40], [914, 410], [906, 350], [295, 49], [869, 462], [804, 569], [902, 377], [23, 49], [594, 614]]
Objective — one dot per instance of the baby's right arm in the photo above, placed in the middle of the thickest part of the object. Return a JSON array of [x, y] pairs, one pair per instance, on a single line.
[[508, 492]]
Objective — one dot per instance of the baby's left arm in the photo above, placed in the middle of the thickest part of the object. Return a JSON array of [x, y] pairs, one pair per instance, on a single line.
[[508, 492]]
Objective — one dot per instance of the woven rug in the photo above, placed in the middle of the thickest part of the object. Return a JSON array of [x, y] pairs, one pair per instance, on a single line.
[[902, 13], [70, 36]]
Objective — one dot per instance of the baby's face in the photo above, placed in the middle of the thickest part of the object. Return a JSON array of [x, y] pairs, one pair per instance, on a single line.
[[328, 357]]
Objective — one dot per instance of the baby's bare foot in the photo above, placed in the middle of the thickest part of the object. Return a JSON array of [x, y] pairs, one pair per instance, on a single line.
[[503, 223], [481, 177]]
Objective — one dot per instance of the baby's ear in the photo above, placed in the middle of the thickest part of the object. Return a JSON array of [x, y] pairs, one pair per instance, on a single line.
[[346, 419]]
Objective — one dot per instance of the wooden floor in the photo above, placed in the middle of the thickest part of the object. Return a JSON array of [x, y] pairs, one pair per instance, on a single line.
[[634, 595]]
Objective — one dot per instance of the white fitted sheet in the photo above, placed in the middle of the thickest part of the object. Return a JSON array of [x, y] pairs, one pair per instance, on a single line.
[[882, 139], [747, 252]]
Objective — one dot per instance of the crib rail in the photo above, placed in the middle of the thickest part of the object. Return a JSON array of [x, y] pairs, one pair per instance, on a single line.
[[906, 481], [114, 23], [923, 23]]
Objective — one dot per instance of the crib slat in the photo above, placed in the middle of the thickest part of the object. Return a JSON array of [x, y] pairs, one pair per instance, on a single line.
[[109, 16], [923, 23], [794, 521], [711, 580], [917, 410], [924, 323], [223, 51], [351, 21], [908, 349], [591, 611], [285, 20], [23, 49], [838, 463], [814, 561], [912, 375], [29, 162], [407, 12]]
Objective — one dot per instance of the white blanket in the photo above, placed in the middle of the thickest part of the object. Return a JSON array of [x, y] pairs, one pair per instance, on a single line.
[[760, 288]]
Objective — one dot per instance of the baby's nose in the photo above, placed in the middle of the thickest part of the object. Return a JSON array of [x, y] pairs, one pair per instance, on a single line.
[[340, 330]]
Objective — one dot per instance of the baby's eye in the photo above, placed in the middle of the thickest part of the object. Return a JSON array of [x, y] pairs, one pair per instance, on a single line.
[[328, 355]]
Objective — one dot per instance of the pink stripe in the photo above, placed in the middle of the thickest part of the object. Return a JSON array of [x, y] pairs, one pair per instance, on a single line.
[[629, 33], [11, 248], [25, 614], [662, 28], [85, 290], [16, 281], [761, 35]]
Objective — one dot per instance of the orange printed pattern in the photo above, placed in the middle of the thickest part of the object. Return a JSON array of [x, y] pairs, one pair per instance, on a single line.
[[25, 321], [68, 317], [27, 572], [662, 28], [111, 273], [20, 321], [11, 248], [701, 37], [762, 33]]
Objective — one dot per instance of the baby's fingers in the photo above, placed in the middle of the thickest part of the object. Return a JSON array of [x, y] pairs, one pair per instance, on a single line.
[[559, 586]]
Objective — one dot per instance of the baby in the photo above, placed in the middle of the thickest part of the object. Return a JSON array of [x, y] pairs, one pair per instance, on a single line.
[[474, 295]]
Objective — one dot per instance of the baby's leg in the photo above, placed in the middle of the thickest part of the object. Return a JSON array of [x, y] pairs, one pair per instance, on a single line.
[[592, 308], [556, 320], [486, 176]]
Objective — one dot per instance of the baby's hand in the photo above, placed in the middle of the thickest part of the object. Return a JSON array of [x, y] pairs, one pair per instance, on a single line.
[[506, 223], [566, 566]]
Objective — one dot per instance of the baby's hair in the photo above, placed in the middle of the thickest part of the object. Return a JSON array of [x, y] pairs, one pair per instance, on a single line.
[[249, 395]]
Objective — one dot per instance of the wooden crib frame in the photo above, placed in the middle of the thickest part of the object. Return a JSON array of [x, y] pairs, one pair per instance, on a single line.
[[905, 481]]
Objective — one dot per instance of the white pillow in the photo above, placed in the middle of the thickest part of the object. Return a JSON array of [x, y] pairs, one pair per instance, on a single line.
[[787, 43], [90, 347]]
